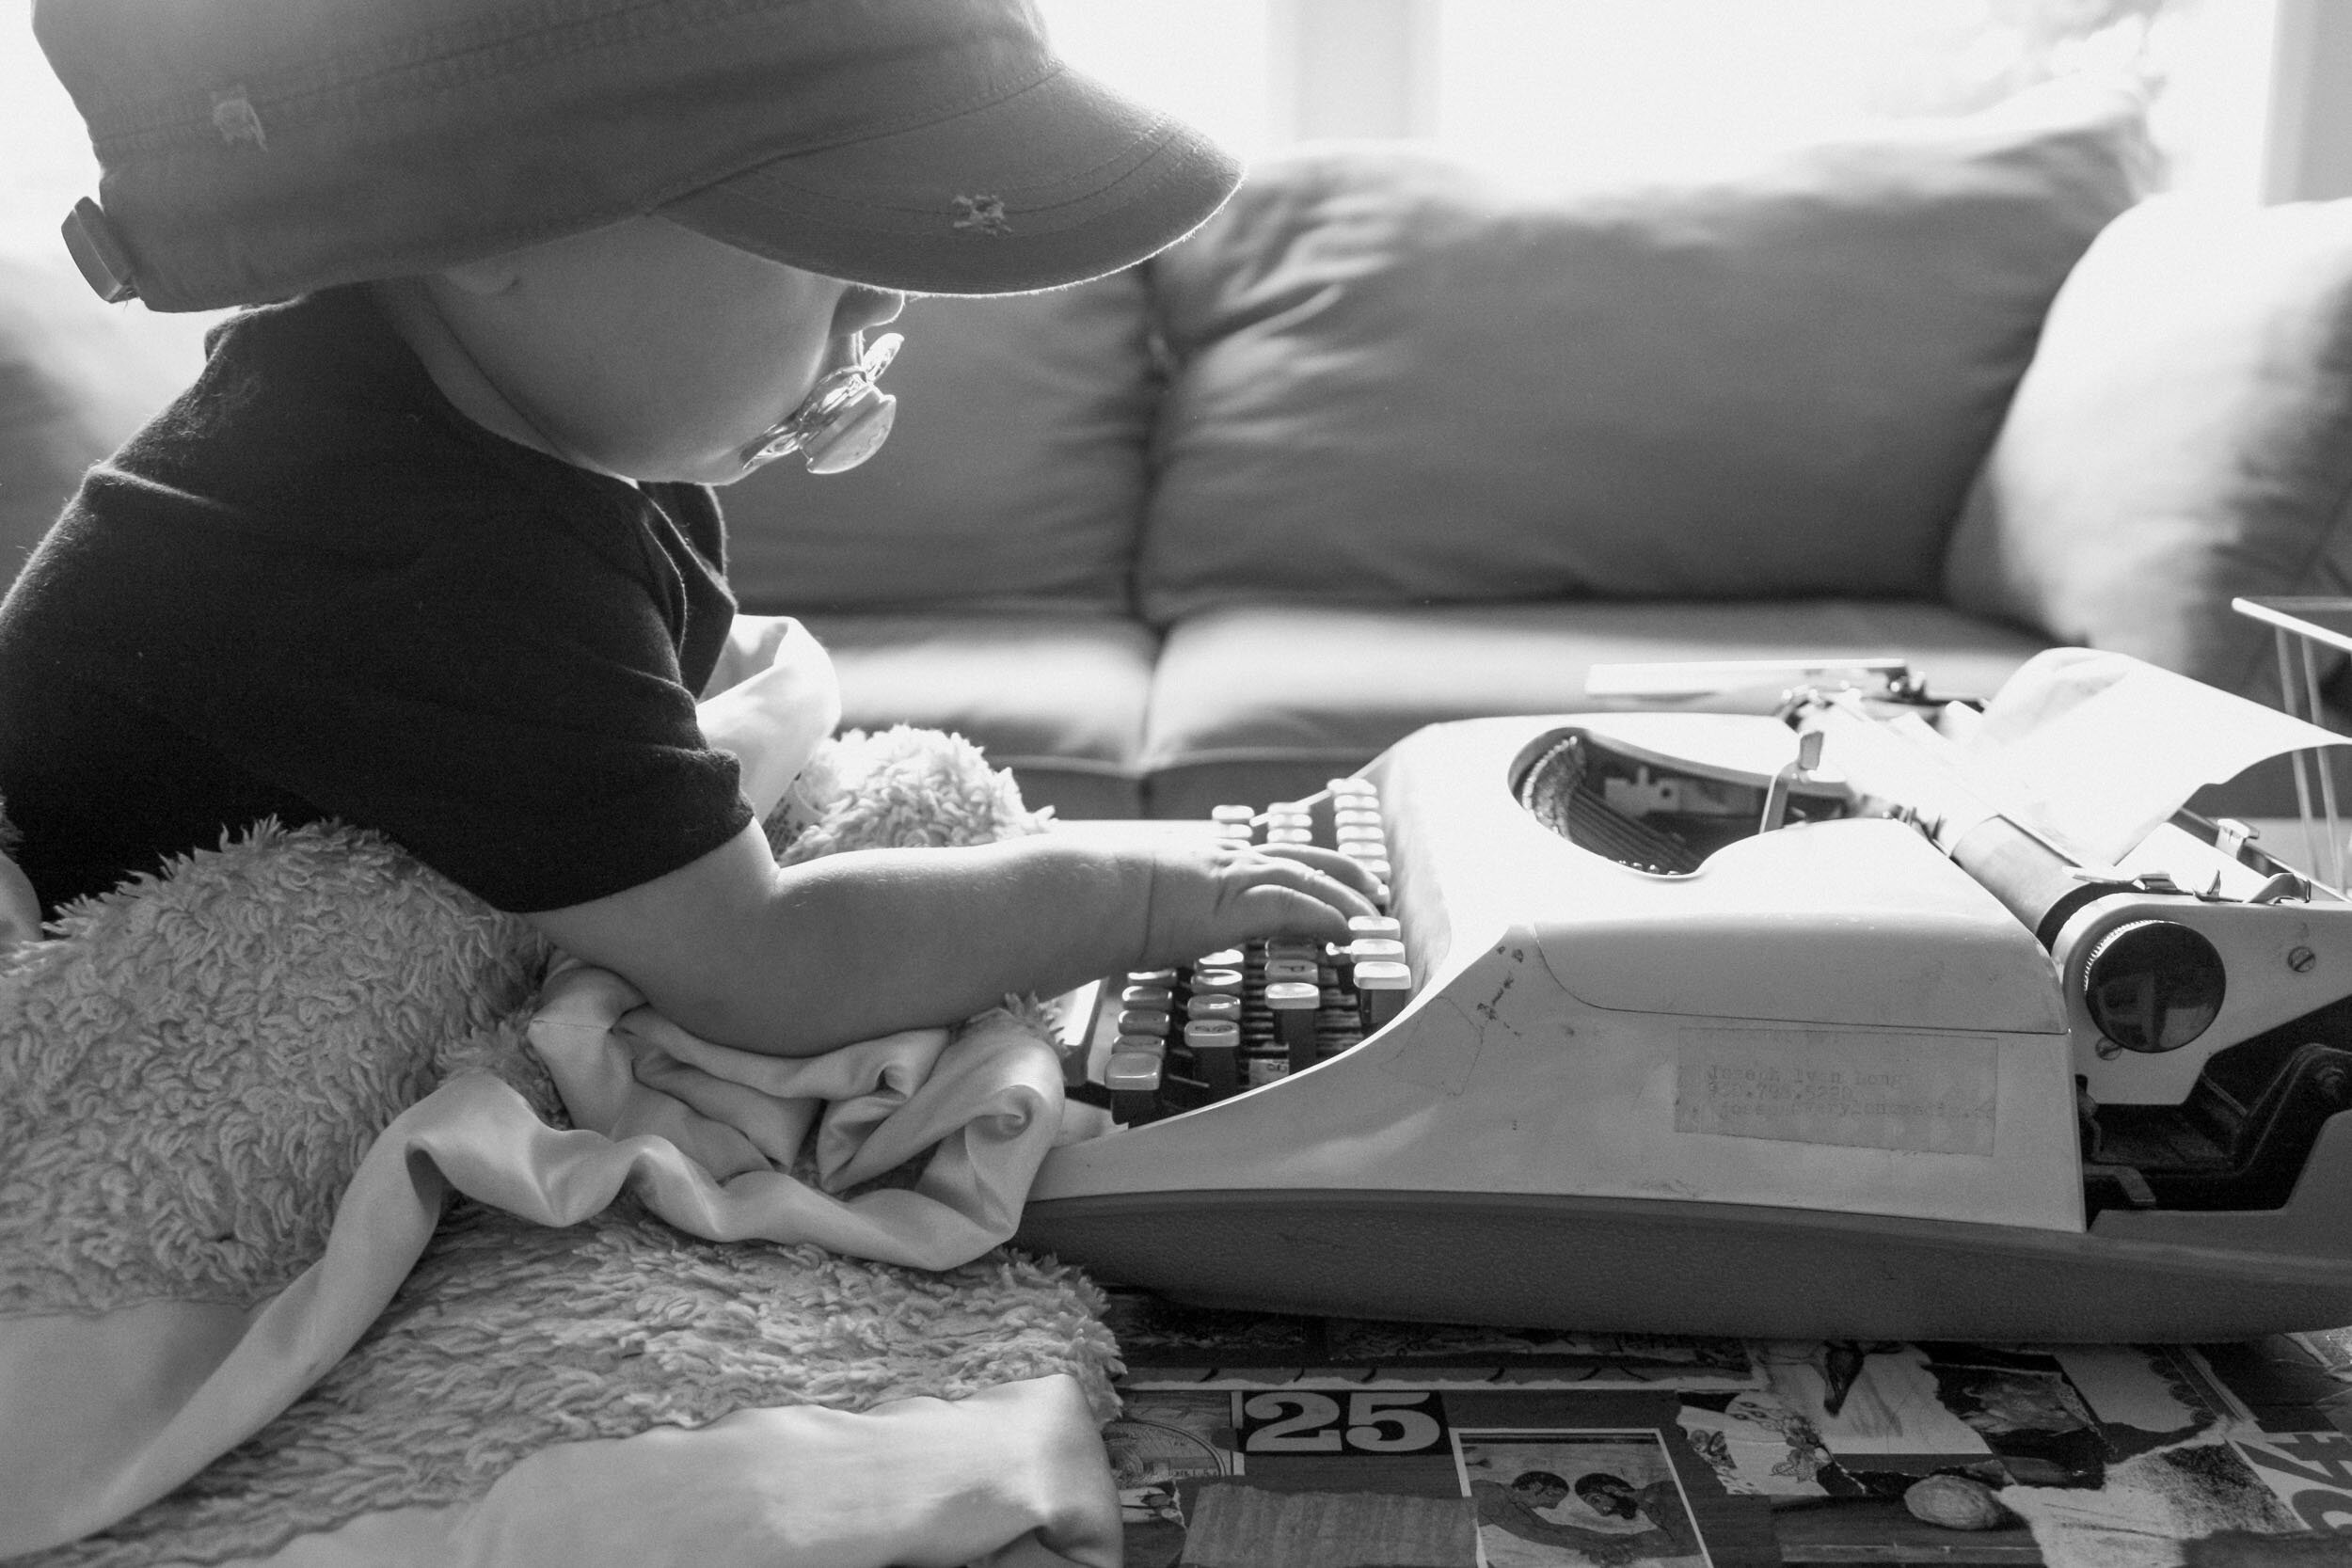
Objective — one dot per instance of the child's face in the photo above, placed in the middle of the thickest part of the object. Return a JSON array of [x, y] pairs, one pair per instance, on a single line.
[[648, 350]]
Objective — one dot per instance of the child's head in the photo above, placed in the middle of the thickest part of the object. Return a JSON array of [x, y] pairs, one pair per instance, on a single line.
[[253, 149], [641, 348]]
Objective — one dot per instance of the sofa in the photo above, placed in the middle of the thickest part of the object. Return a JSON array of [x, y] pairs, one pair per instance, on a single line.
[[1386, 443]]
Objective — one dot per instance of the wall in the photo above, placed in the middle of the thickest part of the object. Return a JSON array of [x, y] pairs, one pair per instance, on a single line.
[[2309, 152]]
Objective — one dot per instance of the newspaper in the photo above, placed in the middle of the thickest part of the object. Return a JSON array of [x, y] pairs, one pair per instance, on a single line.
[[1250, 1440]]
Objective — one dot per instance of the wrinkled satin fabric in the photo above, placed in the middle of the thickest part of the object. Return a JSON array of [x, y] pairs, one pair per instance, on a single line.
[[726, 1127]]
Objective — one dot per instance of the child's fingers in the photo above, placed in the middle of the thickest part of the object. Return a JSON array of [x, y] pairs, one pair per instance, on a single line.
[[1332, 864], [1344, 888], [1202, 901], [1272, 910]]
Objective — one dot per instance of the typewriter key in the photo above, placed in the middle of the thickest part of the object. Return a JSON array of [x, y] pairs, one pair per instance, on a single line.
[[1295, 1004], [1133, 1078], [1382, 986], [1215, 1045], [1144, 1021], [1303, 970]]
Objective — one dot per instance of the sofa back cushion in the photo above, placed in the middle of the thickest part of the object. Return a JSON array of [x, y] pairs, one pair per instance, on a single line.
[[1397, 381], [1015, 474], [2184, 435]]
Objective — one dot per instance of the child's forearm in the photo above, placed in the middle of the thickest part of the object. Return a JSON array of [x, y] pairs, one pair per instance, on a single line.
[[795, 960], [869, 943]]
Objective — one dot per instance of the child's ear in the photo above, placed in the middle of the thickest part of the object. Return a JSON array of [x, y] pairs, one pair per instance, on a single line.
[[492, 274]]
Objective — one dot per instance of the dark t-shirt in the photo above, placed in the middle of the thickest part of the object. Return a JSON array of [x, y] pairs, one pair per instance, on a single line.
[[312, 589]]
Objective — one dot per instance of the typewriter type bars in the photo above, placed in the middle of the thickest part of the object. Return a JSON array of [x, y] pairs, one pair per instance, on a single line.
[[1174, 1039], [2301, 625]]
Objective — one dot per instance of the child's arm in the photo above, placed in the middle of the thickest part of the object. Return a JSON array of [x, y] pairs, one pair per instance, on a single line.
[[795, 960]]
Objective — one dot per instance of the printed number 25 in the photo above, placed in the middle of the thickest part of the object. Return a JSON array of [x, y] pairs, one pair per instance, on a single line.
[[1378, 1421]]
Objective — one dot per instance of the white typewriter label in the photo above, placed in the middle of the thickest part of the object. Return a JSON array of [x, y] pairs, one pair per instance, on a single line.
[[1931, 1093]]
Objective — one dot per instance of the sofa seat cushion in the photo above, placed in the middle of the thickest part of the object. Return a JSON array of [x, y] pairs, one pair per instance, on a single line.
[[2182, 437], [1398, 380], [1058, 699], [1015, 474], [1258, 703]]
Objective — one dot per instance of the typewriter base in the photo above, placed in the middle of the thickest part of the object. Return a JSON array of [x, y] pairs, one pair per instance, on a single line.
[[1627, 1265]]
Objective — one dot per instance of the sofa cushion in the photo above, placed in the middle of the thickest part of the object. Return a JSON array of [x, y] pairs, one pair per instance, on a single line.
[[1265, 703], [77, 376], [1015, 474], [1398, 381], [2185, 434], [1058, 699]]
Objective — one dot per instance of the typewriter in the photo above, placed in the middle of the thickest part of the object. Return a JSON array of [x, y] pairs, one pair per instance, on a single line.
[[1877, 1017]]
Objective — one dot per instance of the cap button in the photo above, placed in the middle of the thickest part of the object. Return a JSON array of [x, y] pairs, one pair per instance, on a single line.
[[98, 251]]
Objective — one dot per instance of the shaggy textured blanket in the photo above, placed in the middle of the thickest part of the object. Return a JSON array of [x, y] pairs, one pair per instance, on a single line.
[[232, 1099]]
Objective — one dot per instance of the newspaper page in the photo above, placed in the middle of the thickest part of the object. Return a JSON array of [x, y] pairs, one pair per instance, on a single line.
[[1263, 1439]]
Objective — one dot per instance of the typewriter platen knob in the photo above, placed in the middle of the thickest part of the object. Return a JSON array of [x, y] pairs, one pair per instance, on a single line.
[[2154, 985]]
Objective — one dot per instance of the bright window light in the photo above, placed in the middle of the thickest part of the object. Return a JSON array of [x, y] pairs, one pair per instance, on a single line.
[[1576, 89], [49, 164], [1553, 91], [1204, 60], [1545, 88]]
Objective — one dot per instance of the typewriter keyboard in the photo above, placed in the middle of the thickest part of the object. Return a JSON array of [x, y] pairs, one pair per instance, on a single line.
[[1156, 1043]]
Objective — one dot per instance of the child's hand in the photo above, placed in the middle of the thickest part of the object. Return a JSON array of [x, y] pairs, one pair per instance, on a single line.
[[1203, 897], [772, 720], [754, 644]]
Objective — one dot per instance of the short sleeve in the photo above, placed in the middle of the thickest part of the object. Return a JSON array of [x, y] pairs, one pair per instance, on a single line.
[[505, 703]]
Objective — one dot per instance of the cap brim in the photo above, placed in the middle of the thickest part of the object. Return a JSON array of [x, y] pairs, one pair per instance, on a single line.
[[1059, 182]]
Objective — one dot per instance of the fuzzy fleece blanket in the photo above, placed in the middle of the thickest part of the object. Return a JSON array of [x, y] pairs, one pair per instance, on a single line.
[[326, 1235]]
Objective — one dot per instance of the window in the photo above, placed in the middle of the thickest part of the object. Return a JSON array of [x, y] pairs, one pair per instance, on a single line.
[[1567, 90], [1545, 88], [1207, 60]]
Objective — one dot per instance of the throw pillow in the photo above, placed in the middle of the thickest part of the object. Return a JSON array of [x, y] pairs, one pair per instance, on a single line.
[[2184, 435], [1398, 381], [1014, 477]]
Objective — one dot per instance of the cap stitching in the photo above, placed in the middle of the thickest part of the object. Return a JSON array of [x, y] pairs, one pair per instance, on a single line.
[[1137, 154], [1135, 185], [1141, 149], [971, 106]]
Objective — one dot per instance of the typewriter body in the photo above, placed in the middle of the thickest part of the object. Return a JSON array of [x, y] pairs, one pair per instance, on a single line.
[[1818, 1025]]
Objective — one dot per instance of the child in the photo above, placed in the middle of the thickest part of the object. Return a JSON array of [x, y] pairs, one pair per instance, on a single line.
[[428, 547]]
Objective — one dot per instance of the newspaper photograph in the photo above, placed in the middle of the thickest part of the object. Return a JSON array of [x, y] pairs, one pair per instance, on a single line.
[[1577, 1499]]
